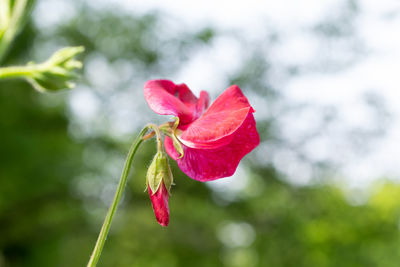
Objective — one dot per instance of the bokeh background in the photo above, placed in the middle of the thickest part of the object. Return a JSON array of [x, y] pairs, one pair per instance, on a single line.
[[320, 190]]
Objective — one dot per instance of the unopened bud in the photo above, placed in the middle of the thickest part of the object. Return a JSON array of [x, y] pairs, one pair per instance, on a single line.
[[159, 181], [57, 72]]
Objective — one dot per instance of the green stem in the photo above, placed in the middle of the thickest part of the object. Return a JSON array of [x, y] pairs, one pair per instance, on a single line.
[[157, 131], [17, 72], [14, 24], [117, 197]]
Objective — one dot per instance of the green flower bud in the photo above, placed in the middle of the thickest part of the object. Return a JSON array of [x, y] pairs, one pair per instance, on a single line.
[[159, 171], [57, 72]]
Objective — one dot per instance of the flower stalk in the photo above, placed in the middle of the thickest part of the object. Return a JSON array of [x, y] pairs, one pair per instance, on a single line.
[[117, 197], [16, 72], [143, 136]]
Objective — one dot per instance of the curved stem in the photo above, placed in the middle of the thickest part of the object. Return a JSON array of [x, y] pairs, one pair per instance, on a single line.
[[117, 197], [157, 132]]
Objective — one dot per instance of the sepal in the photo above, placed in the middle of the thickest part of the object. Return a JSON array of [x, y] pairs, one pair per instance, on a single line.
[[159, 171], [170, 129]]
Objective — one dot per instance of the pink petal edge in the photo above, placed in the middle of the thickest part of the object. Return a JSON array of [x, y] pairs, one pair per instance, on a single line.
[[210, 164], [216, 126], [167, 98]]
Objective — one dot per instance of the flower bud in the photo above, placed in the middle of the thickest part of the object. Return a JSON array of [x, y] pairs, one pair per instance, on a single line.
[[159, 181], [57, 72], [159, 201]]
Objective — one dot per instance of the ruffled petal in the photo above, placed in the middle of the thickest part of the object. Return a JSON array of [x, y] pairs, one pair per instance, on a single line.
[[216, 126], [159, 201], [202, 104], [210, 164], [166, 98]]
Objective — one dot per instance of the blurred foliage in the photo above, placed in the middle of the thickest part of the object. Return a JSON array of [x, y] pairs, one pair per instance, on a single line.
[[54, 188]]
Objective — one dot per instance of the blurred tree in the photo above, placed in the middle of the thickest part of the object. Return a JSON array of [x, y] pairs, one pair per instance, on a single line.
[[56, 181]]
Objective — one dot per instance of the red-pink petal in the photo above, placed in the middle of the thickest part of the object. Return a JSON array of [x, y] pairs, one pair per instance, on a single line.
[[216, 126], [210, 164], [202, 104], [166, 98], [159, 201]]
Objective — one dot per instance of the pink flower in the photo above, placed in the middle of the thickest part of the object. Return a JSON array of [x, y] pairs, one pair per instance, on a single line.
[[214, 140]]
